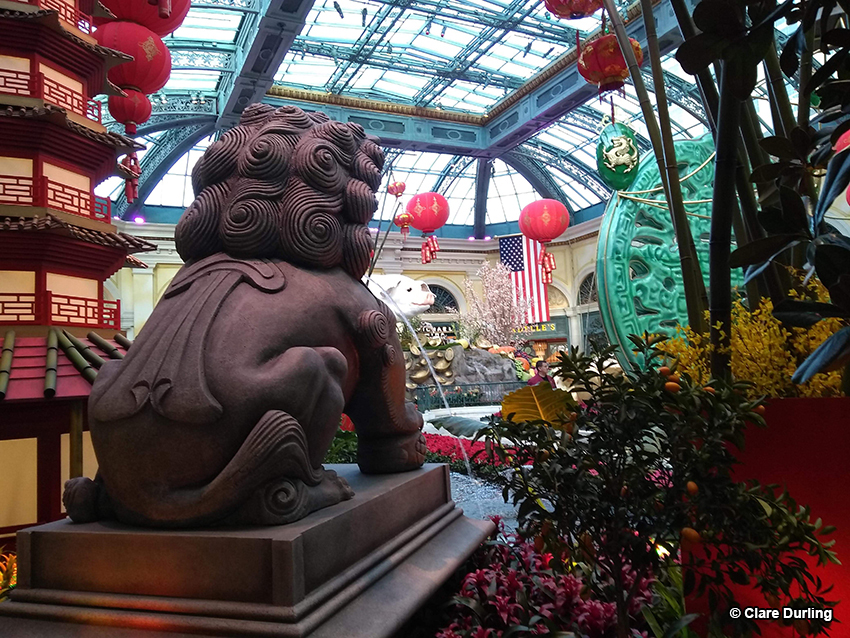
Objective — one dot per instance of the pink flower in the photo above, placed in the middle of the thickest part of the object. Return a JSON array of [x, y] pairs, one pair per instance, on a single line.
[[596, 618], [506, 609]]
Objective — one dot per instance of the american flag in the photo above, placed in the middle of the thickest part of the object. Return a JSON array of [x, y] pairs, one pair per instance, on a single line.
[[520, 255]]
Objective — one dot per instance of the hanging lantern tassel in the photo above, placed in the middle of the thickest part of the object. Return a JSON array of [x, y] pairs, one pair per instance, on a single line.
[[430, 248], [547, 265], [131, 184]]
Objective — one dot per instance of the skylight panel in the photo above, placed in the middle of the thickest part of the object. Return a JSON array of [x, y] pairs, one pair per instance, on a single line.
[[210, 25], [437, 46], [195, 80]]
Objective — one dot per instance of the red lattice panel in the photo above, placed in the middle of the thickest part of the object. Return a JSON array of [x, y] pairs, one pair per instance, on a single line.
[[15, 82], [102, 209], [68, 310], [65, 309], [17, 308], [61, 95], [111, 316], [68, 12], [69, 199], [17, 191]]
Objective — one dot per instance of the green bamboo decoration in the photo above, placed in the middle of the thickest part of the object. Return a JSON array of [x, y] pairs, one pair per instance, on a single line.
[[695, 295], [720, 241], [84, 350], [50, 364], [111, 351], [123, 341], [83, 367], [6, 362]]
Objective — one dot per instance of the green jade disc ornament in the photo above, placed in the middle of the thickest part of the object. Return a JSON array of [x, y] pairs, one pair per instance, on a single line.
[[617, 157], [639, 276]]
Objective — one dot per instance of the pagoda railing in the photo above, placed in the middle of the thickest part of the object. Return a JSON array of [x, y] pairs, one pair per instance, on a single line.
[[52, 309], [67, 12], [27, 191], [40, 86]]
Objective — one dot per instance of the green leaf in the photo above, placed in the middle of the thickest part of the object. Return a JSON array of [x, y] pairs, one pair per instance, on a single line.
[[652, 621], [766, 172], [697, 53], [831, 262], [458, 425], [762, 250], [804, 313], [832, 64], [794, 215], [680, 624], [538, 403], [780, 147], [833, 350]]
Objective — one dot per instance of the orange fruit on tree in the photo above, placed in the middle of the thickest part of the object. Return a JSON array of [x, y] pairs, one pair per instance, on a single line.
[[709, 389], [693, 488], [690, 538], [543, 456], [674, 378], [759, 409], [664, 371], [672, 386]]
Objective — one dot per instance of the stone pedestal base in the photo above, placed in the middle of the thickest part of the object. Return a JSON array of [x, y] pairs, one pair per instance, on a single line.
[[357, 569]]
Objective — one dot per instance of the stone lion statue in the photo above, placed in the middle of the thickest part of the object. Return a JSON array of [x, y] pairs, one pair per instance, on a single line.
[[227, 402]]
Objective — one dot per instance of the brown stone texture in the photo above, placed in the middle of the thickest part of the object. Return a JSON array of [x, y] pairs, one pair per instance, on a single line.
[[358, 570], [226, 404]]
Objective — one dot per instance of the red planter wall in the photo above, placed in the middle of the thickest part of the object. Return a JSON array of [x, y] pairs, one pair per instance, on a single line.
[[806, 448]]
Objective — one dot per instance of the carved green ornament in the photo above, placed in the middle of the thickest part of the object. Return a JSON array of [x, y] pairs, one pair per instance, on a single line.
[[617, 156], [638, 271]]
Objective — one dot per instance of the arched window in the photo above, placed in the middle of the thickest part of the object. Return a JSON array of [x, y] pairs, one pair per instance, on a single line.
[[444, 301], [587, 290]]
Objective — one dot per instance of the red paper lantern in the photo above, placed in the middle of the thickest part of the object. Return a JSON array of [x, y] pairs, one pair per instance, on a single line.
[[429, 212], [151, 65], [396, 189], [572, 9], [402, 220], [601, 62], [543, 221], [130, 111], [149, 15]]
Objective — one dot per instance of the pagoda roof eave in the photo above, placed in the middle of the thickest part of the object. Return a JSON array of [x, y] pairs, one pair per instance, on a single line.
[[58, 115], [51, 223]]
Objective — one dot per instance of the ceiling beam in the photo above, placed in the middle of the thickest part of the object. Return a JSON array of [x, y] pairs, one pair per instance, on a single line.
[[482, 187], [559, 88], [263, 46]]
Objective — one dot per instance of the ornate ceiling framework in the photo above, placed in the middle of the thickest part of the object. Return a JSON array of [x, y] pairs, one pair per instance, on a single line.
[[442, 83]]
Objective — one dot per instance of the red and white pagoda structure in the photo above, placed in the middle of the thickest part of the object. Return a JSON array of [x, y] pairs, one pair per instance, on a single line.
[[57, 245]]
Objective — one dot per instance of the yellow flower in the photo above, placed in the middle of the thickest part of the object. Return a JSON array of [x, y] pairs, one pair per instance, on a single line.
[[764, 352]]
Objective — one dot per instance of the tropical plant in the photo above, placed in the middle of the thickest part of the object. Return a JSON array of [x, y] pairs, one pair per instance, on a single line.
[[642, 474], [739, 36], [764, 351], [8, 573], [514, 588]]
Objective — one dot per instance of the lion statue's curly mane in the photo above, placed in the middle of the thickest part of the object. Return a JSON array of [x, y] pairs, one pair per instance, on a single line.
[[289, 185], [228, 400]]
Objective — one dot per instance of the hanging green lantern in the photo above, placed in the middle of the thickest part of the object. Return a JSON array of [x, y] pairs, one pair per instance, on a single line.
[[617, 156]]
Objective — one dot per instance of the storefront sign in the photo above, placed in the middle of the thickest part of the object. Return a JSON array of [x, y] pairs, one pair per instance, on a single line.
[[555, 328]]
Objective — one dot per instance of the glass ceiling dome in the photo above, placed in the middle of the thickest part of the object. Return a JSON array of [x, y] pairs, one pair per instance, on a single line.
[[413, 65]]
